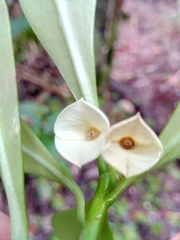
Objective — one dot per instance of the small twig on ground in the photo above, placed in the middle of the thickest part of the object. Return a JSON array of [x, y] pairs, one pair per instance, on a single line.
[[25, 74]]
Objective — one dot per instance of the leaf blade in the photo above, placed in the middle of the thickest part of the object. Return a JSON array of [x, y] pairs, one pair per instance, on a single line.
[[170, 138], [64, 220], [39, 161], [67, 33], [11, 162]]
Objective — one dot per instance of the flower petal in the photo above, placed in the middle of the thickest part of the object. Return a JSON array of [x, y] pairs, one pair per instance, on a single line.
[[80, 152], [146, 152], [77, 118], [71, 129]]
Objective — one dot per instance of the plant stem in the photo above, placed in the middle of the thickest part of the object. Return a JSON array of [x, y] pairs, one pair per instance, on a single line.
[[93, 224], [118, 190], [95, 217], [102, 166]]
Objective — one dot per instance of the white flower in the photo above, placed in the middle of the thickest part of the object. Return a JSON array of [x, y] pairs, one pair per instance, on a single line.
[[80, 132], [132, 147]]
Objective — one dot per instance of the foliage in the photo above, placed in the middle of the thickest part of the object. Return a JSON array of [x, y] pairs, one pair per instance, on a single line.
[[11, 161]]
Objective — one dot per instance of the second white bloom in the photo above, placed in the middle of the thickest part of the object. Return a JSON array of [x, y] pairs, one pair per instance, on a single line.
[[132, 147]]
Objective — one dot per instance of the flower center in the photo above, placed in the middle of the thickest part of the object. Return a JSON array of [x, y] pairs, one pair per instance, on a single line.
[[127, 143], [92, 134]]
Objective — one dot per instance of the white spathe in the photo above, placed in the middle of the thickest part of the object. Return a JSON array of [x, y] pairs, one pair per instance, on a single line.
[[70, 130], [145, 153]]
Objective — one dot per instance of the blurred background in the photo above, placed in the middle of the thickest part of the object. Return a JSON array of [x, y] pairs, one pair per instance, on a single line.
[[137, 46]]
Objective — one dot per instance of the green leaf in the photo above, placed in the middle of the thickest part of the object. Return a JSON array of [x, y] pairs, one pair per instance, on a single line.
[[11, 163], [66, 30], [66, 226], [170, 138], [39, 161]]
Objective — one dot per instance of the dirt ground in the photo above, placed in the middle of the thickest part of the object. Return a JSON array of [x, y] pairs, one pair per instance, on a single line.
[[146, 62]]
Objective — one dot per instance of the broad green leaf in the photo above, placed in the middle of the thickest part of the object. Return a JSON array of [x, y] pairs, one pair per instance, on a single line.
[[11, 163], [66, 226], [170, 138], [39, 161], [66, 30]]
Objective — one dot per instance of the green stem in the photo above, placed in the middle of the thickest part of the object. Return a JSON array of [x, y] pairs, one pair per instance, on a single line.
[[105, 196], [93, 224], [95, 217], [112, 196], [100, 203], [102, 166], [102, 200]]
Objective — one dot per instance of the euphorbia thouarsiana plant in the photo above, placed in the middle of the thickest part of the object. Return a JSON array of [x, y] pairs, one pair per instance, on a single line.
[[83, 133], [124, 151]]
